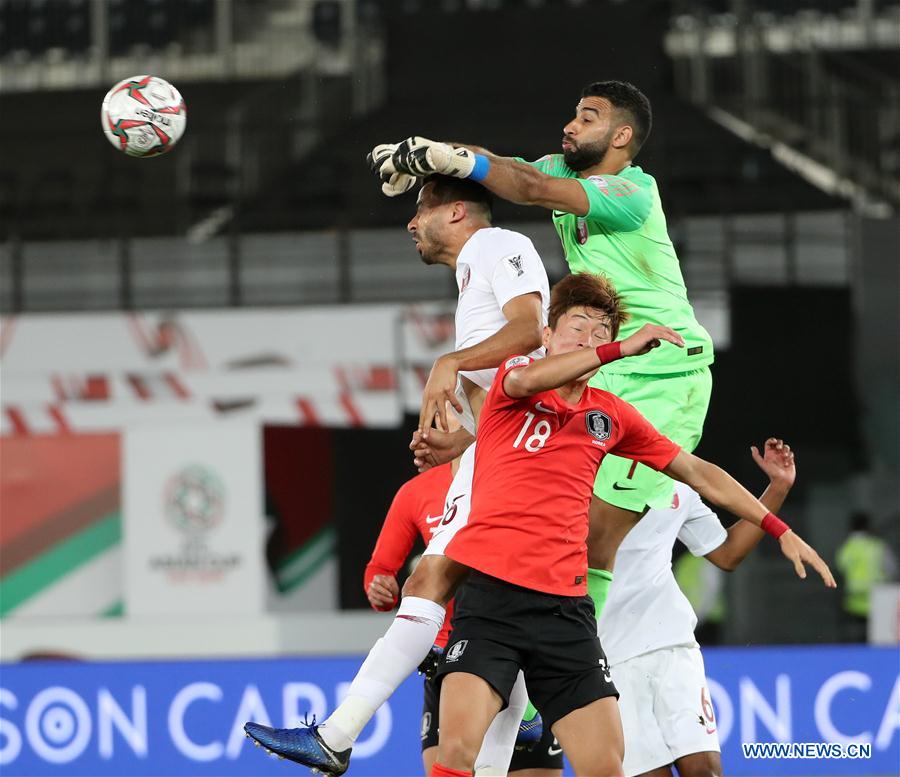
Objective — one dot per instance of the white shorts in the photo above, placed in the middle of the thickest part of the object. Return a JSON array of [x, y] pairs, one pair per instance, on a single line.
[[456, 506], [665, 707]]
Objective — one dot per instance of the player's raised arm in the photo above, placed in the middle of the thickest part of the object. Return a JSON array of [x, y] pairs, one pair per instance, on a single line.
[[520, 334], [555, 371], [718, 487], [777, 461], [615, 202]]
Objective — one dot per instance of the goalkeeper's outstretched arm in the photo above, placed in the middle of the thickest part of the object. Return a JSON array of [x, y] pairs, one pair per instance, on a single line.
[[524, 184]]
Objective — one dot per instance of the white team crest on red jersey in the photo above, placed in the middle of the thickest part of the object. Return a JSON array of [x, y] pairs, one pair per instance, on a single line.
[[466, 277], [517, 361]]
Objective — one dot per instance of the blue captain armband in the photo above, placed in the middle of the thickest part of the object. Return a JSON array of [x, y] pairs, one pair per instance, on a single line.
[[481, 169]]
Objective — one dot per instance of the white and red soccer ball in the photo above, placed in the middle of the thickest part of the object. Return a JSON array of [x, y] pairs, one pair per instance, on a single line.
[[143, 116]]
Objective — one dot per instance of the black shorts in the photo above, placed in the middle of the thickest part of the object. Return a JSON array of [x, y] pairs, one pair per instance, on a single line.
[[499, 628], [546, 754]]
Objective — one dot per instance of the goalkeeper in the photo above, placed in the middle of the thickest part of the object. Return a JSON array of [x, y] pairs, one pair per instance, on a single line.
[[610, 220]]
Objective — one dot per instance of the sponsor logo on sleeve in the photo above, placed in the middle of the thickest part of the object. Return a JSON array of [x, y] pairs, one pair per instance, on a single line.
[[515, 265], [618, 187], [516, 361], [599, 425]]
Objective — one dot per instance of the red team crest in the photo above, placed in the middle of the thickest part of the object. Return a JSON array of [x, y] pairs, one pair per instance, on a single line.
[[466, 277], [581, 231]]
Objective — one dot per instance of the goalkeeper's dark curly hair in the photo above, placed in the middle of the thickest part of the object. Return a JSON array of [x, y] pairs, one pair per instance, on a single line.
[[589, 291]]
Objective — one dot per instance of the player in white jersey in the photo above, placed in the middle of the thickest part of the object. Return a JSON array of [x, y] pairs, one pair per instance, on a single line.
[[647, 627], [503, 299]]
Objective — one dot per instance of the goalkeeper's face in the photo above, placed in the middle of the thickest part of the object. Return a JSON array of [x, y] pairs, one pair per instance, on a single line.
[[587, 138], [579, 327], [431, 226]]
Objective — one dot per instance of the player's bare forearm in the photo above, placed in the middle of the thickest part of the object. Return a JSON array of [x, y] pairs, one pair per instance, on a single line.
[[743, 536], [550, 372], [556, 371], [718, 487], [522, 335], [526, 185], [476, 150], [777, 461], [715, 485]]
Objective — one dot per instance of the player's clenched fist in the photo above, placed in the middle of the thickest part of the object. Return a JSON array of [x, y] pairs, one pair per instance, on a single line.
[[648, 337], [392, 182], [383, 592], [422, 157]]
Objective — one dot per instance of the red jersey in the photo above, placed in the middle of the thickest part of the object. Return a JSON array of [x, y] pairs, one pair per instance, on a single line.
[[418, 506], [535, 465]]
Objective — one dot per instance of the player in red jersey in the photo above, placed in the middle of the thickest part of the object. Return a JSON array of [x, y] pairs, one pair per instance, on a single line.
[[542, 435], [417, 508]]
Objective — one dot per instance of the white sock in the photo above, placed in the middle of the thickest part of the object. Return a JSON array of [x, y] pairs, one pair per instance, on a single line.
[[500, 739], [390, 661]]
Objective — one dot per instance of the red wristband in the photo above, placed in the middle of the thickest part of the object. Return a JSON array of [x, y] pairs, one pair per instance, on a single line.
[[609, 352], [772, 524]]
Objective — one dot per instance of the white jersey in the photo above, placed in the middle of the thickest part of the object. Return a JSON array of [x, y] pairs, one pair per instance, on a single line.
[[494, 266], [646, 609]]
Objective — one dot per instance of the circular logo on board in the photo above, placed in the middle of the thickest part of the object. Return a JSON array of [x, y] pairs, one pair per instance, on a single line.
[[195, 499]]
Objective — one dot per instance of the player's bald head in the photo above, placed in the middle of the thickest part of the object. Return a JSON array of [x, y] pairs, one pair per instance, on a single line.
[[584, 290], [630, 102]]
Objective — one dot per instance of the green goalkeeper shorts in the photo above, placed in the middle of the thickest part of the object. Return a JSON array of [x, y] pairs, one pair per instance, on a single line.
[[676, 405]]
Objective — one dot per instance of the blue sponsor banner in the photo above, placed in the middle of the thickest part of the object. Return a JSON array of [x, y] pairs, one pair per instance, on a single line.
[[847, 695], [178, 718]]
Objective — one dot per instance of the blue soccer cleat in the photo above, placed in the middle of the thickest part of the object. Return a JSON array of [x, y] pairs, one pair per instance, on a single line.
[[530, 733], [300, 745]]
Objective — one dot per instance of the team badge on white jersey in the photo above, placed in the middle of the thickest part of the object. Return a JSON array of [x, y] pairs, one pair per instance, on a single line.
[[466, 277]]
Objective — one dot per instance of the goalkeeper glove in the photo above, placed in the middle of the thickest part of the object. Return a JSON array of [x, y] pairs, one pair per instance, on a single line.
[[393, 183], [421, 157]]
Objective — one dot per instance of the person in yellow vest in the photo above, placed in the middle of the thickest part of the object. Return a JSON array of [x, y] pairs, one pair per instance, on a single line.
[[864, 560]]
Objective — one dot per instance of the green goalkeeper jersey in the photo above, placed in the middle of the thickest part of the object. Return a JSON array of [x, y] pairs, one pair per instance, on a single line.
[[624, 237]]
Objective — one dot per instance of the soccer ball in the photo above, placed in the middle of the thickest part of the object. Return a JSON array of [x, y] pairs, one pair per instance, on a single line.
[[143, 116]]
